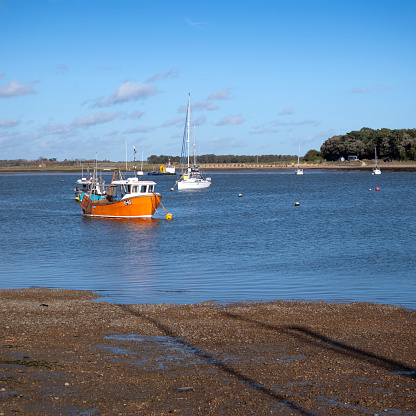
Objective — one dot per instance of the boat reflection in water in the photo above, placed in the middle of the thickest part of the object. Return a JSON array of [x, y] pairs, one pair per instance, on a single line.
[[134, 270]]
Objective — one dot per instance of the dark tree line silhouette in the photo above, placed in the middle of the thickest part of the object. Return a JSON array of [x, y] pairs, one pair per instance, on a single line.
[[391, 144]]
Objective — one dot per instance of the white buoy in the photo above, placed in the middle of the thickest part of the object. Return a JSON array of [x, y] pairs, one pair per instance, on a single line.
[[296, 204], [240, 195]]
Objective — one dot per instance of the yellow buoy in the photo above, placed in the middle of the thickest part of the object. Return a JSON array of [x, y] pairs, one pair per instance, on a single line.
[[171, 189], [169, 216], [77, 198]]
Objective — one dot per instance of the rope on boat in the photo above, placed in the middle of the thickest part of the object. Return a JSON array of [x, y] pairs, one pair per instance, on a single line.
[[168, 216]]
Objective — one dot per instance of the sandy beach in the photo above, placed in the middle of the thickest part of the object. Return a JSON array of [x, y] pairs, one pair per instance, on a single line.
[[64, 353]]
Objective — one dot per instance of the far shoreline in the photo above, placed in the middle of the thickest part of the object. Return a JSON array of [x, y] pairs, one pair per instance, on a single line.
[[366, 165]]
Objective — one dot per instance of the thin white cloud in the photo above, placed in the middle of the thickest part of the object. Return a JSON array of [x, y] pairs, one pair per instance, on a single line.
[[231, 120], [194, 24], [286, 112], [223, 94], [224, 145], [128, 91], [50, 129], [15, 89], [262, 130], [359, 90], [200, 105], [136, 114], [295, 123], [9, 122], [60, 69], [94, 119], [200, 120], [139, 129], [271, 126], [170, 74], [173, 122]]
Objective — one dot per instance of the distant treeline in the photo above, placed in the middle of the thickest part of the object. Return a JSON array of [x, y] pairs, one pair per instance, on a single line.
[[223, 159], [391, 144]]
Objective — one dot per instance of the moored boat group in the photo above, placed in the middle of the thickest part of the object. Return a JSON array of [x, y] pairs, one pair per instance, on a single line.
[[135, 198]]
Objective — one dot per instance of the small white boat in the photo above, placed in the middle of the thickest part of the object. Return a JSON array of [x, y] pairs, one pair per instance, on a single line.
[[170, 169], [191, 177], [298, 170], [138, 172], [376, 169]]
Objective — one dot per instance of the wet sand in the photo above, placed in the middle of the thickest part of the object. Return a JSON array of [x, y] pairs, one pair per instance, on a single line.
[[62, 353]]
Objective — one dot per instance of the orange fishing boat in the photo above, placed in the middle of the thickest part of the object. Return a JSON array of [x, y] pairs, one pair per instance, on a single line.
[[126, 198]]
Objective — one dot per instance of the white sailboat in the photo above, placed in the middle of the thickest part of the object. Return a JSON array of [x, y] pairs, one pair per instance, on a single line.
[[139, 172], [376, 169], [298, 170], [191, 177]]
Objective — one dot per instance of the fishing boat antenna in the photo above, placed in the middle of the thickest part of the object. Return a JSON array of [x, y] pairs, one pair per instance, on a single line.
[[134, 160], [126, 156]]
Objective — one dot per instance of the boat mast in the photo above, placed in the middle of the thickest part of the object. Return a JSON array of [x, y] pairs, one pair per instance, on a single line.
[[188, 126], [194, 149], [134, 160], [298, 153]]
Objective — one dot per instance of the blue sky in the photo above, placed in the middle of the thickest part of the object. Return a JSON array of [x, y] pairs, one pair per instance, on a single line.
[[84, 76]]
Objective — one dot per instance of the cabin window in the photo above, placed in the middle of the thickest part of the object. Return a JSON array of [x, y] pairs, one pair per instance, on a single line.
[[143, 189], [150, 188], [135, 189]]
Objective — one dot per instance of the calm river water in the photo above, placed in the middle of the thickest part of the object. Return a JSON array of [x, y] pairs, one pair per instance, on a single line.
[[344, 242]]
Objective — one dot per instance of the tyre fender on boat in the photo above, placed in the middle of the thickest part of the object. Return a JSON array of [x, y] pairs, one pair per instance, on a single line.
[[86, 204]]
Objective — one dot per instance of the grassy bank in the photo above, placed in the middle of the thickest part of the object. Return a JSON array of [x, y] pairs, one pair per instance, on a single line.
[[364, 165]]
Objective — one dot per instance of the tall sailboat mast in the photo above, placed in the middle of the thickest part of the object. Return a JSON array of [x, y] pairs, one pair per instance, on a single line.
[[188, 117], [194, 148]]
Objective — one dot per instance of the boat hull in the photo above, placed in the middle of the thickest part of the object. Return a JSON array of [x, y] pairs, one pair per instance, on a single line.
[[193, 184], [143, 206]]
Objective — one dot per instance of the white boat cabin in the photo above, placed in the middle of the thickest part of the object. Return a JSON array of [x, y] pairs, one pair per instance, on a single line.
[[130, 188]]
